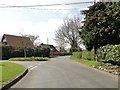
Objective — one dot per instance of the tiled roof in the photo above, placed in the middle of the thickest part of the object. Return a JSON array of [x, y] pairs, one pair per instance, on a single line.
[[18, 41]]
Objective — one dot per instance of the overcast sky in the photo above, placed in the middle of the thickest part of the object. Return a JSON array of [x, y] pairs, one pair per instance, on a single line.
[[43, 22]]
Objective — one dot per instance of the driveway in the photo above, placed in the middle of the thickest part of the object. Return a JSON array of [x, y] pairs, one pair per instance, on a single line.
[[61, 72]]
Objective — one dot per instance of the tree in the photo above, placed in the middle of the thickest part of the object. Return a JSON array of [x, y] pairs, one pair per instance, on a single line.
[[33, 38], [68, 33], [101, 25]]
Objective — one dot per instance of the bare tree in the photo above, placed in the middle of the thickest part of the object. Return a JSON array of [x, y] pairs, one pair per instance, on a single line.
[[33, 38], [69, 33]]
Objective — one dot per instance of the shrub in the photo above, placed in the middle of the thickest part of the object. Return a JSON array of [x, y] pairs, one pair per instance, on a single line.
[[30, 52], [87, 55], [18, 53], [7, 52], [77, 54], [109, 53], [29, 59], [37, 52]]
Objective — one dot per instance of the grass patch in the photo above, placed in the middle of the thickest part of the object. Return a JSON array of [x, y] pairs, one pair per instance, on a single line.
[[87, 62], [30, 59], [9, 71], [114, 69]]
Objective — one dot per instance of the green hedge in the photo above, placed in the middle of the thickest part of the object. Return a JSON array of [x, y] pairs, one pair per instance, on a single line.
[[29, 59], [77, 54], [7, 52], [109, 53], [87, 55], [10, 52]]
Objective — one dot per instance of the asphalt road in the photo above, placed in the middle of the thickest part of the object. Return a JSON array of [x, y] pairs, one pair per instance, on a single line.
[[61, 72]]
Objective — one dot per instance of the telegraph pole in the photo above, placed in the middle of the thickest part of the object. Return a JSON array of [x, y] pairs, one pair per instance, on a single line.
[[94, 2], [47, 40]]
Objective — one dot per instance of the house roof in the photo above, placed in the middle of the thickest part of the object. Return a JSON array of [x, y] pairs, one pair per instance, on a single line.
[[49, 46], [17, 41]]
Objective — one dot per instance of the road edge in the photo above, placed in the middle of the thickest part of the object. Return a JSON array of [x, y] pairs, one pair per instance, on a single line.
[[11, 83]]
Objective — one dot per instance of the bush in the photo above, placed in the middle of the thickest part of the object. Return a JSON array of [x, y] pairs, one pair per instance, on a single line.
[[29, 59], [7, 52], [29, 52], [77, 54], [109, 53], [10, 52], [18, 53], [87, 55]]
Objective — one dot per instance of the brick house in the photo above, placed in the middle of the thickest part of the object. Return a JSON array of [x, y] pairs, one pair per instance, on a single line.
[[16, 41]]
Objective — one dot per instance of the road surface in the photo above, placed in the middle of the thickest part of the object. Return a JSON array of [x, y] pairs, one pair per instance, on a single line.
[[61, 72]]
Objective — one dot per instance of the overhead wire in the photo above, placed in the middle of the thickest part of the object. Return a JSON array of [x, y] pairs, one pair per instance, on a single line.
[[47, 5]]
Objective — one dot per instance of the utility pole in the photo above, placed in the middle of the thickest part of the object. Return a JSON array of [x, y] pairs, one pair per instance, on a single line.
[[94, 2], [47, 40]]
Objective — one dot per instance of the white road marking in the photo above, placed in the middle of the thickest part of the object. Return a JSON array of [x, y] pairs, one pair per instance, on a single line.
[[30, 66], [33, 68]]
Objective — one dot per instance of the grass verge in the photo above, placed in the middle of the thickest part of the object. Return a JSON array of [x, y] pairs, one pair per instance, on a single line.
[[9, 71], [87, 62], [100, 65], [29, 59]]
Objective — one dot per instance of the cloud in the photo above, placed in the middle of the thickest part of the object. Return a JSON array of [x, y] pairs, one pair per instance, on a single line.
[[43, 29], [35, 22]]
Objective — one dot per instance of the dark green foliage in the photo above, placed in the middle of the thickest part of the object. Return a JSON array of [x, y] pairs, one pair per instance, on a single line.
[[109, 53], [42, 52], [9, 52], [37, 52], [18, 53], [30, 52], [46, 52], [101, 25]]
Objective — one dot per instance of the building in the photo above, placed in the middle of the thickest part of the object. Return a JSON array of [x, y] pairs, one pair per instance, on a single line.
[[53, 50], [16, 41]]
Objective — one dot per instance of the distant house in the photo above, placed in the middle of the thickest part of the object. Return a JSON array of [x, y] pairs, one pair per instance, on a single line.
[[16, 41], [53, 50]]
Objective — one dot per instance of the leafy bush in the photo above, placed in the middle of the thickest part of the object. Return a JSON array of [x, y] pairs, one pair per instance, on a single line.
[[77, 54], [109, 53], [87, 55], [29, 59]]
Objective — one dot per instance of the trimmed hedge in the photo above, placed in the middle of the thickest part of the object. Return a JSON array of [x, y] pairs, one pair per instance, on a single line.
[[29, 59], [10, 52], [7, 52], [77, 54], [87, 55], [109, 53]]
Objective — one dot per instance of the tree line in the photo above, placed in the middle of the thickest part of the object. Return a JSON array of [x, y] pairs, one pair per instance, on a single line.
[[101, 26]]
